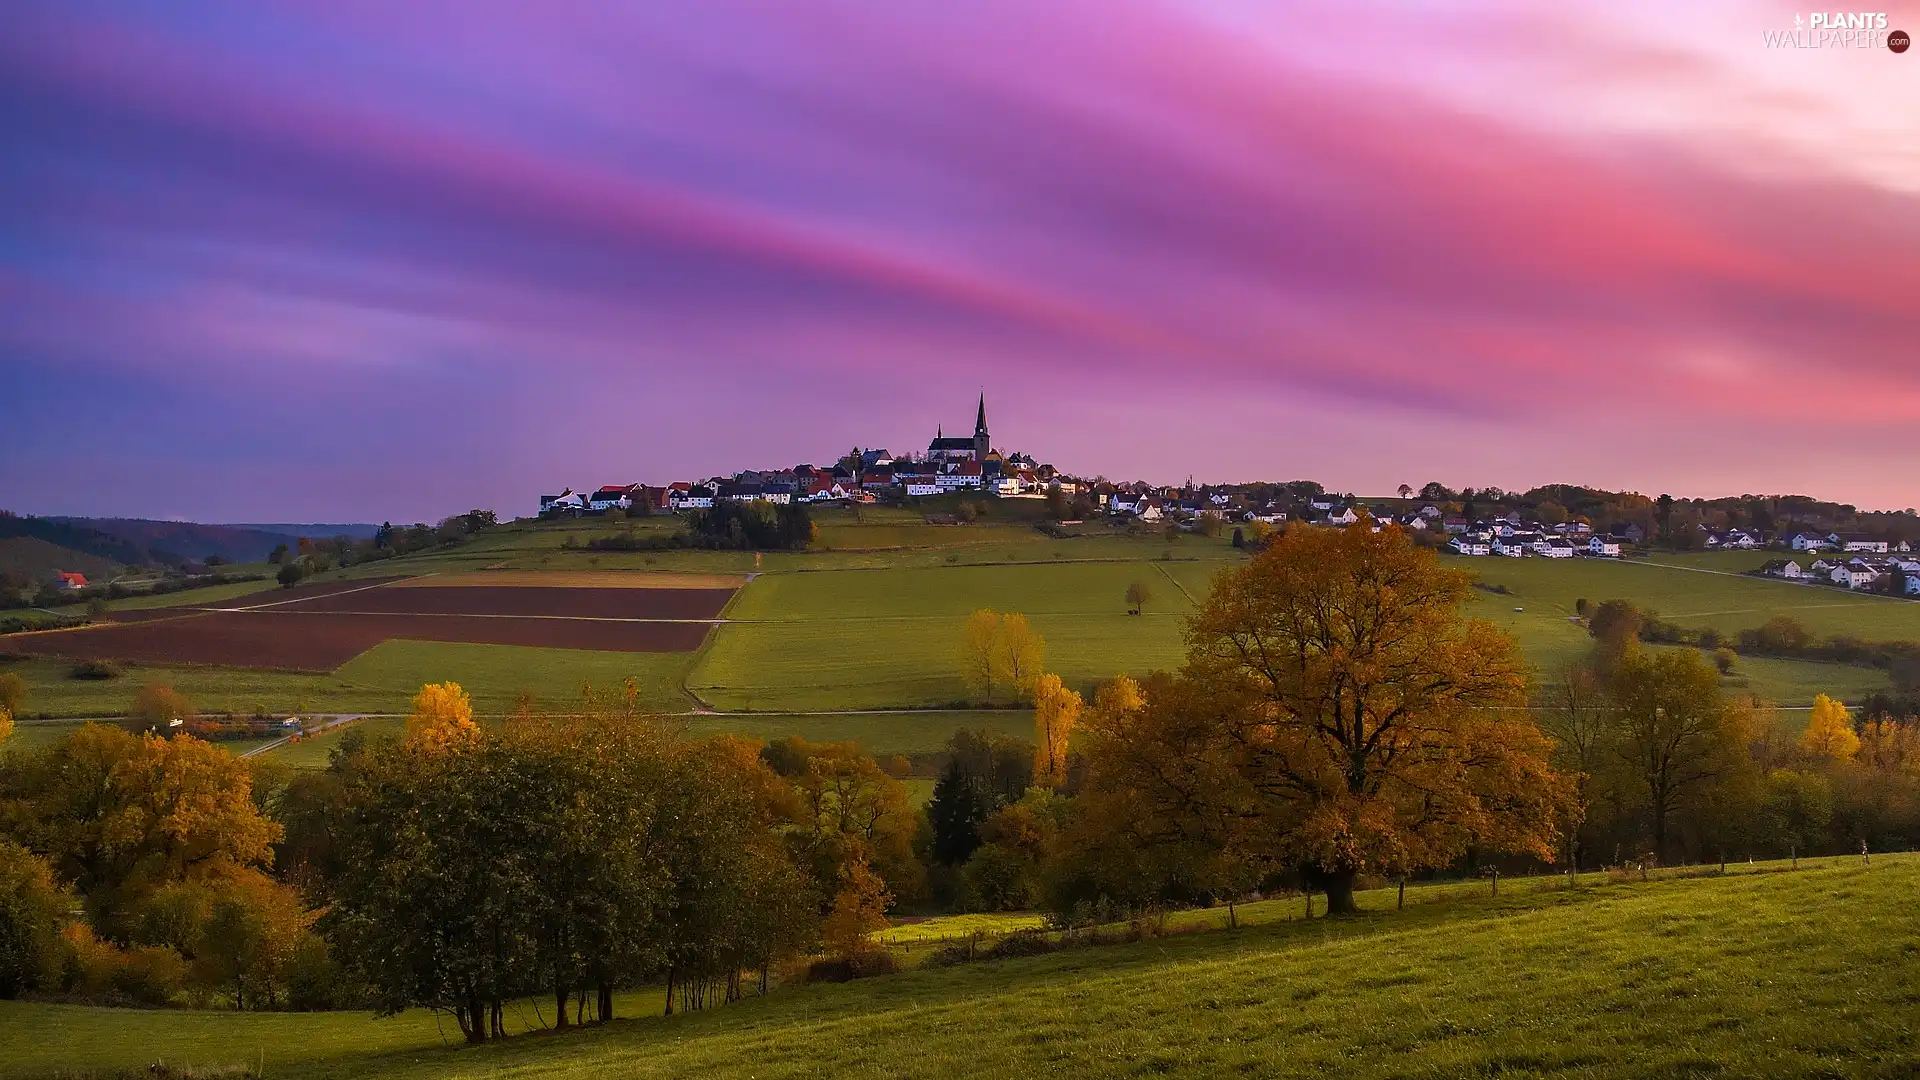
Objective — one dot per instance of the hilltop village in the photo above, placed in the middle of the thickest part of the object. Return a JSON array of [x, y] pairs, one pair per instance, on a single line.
[[1487, 522]]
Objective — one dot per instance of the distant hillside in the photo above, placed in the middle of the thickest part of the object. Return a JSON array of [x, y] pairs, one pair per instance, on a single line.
[[37, 558], [76, 537], [359, 530], [173, 542]]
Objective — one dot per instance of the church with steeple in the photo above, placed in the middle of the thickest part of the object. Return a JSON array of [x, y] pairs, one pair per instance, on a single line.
[[975, 449]]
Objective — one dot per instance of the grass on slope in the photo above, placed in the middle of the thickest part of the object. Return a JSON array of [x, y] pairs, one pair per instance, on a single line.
[[1688, 592], [1788, 974]]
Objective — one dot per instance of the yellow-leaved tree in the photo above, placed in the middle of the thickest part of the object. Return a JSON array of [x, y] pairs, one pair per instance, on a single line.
[[1056, 710], [442, 719], [859, 909], [979, 652], [6, 724], [1829, 735], [1022, 652]]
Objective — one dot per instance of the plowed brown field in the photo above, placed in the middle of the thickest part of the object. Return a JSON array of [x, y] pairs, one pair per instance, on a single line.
[[318, 628]]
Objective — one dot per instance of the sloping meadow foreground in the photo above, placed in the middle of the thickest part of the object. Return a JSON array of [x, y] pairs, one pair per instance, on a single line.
[[1767, 971]]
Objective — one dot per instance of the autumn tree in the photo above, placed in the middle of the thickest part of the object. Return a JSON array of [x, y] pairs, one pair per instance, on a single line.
[[13, 693], [1022, 652], [1056, 710], [1138, 594], [442, 719], [1336, 698], [859, 909], [156, 707], [847, 809], [6, 725], [1675, 735], [122, 816], [980, 652], [1829, 737], [33, 908]]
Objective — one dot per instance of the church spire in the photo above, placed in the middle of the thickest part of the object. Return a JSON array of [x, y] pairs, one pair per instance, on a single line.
[[980, 422]]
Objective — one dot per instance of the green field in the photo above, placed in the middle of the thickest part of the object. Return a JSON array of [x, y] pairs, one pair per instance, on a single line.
[[1762, 972], [872, 617]]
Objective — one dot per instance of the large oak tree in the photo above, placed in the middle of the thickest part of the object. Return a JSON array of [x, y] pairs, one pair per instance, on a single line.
[[1340, 715]]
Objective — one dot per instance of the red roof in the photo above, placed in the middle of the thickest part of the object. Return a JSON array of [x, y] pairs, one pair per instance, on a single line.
[[75, 581], [616, 489]]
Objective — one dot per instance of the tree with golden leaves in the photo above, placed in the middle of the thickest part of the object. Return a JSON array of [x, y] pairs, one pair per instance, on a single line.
[[980, 652], [859, 909], [1056, 711], [1829, 737], [1022, 652], [6, 725], [1343, 716], [157, 707], [442, 719]]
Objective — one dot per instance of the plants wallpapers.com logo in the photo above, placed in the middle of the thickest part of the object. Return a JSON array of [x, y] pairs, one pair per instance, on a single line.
[[1839, 30]]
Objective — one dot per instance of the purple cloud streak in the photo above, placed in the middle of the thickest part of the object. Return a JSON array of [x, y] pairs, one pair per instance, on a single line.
[[375, 261]]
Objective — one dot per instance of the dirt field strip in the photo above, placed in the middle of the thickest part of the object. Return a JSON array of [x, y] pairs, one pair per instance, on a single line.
[[496, 615], [575, 579]]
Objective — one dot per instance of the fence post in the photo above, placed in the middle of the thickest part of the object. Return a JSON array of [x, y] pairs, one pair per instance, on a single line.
[[1865, 860], [1793, 852], [1401, 903], [1496, 881]]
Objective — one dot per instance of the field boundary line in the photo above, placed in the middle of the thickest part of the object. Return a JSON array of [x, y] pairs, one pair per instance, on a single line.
[[299, 599], [1176, 584]]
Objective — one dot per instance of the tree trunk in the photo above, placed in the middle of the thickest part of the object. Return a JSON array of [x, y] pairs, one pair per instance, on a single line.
[[476, 1026], [561, 993], [606, 1002], [1338, 885], [669, 1011]]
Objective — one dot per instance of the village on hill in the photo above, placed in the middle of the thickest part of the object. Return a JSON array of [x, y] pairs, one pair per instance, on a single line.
[[1434, 515]]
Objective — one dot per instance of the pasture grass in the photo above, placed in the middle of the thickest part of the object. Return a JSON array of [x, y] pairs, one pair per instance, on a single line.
[[1811, 973]]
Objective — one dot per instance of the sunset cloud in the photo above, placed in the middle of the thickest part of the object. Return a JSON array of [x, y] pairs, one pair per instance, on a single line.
[[1373, 245]]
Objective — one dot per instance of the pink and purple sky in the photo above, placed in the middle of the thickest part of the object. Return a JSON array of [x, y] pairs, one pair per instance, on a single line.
[[364, 260]]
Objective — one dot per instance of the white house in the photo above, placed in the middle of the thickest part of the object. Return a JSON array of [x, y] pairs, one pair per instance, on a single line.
[[1511, 547], [1471, 545], [693, 498], [1555, 548], [1149, 510], [612, 497], [1854, 577], [1864, 544], [567, 502], [1346, 516], [1606, 546], [1784, 568], [923, 485], [1808, 542], [1913, 584]]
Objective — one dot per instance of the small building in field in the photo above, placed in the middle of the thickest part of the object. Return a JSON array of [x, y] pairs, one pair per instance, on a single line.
[[69, 580]]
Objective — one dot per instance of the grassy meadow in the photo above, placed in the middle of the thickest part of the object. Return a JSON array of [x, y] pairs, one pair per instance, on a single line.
[[1763, 972], [871, 618]]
